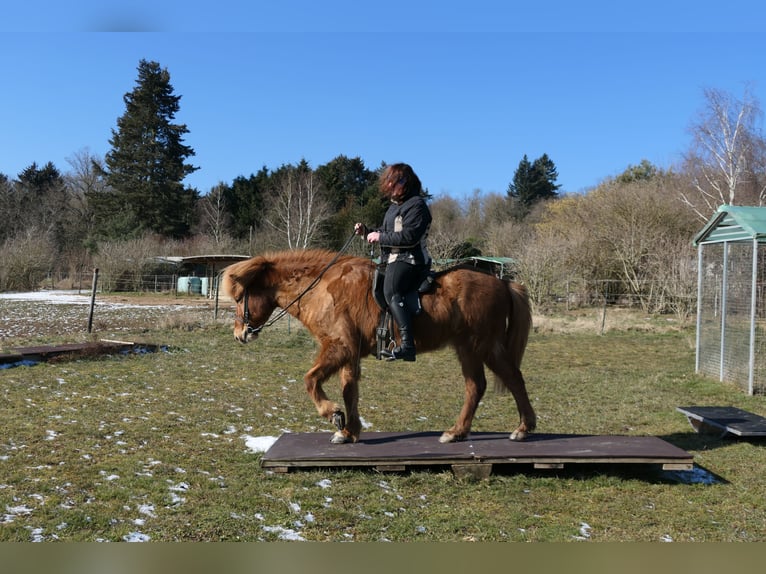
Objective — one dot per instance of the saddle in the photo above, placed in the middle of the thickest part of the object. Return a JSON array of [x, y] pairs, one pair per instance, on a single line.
[[384, 332]]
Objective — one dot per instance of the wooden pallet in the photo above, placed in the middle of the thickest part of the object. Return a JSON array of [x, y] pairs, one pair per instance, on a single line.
[[725, 420], [71, 350], [386, 451]]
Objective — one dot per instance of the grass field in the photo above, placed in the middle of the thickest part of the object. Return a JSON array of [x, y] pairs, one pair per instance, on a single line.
[[156, 446]]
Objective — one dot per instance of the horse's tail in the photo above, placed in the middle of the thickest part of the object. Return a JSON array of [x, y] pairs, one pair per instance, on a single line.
[[517, 328]]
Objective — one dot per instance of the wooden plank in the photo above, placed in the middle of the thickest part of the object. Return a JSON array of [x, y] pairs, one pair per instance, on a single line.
[[725, 420], [48, 352], [409, 449]]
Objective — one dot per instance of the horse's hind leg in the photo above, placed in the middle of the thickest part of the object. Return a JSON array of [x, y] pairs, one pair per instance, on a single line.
[[475, 386], [512, 379]]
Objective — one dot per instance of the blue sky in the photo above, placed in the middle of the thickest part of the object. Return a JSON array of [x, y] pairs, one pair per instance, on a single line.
[[461, 94]]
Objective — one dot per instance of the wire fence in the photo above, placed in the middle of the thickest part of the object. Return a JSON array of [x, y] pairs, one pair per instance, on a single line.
[[731, 326], [651, 296], [150, 283]]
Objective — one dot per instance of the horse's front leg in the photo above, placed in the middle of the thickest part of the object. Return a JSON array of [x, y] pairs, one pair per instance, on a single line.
[[475, 386], [349, 384], [328, 363]]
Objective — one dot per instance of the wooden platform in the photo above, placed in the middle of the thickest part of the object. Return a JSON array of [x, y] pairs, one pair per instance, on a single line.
[[476, 456], [725, 420], [72, 350]]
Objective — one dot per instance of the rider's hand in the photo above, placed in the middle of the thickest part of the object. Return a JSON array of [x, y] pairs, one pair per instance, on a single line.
[[360, 229], [373, 237]]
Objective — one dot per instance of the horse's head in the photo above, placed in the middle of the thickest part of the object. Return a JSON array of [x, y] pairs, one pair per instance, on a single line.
[[247, 283]]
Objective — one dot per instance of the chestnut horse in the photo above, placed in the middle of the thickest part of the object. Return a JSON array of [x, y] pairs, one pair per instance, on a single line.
[[485, 319]]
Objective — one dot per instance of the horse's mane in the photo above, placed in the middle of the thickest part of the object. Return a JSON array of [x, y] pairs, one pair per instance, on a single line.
[[240, 275]]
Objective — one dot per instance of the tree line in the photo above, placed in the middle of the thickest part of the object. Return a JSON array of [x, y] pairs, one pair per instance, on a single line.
[[633, 229]]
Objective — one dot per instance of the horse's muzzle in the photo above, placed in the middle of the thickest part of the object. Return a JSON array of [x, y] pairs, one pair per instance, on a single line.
[[243, 335]]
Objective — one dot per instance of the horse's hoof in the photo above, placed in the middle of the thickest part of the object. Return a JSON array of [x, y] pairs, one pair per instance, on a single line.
[[339, 438], [518, 435], [449, 437]]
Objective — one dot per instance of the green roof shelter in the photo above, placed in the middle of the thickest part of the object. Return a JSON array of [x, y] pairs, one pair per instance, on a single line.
[[731, 307]]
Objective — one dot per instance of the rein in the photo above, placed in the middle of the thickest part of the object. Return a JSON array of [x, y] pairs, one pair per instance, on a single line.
[[246, 314]]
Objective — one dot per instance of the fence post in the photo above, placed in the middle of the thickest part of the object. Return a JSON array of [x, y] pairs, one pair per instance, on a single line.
[[92, 299]]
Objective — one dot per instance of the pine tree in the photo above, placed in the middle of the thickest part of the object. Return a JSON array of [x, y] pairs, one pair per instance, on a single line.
[[545, 176], [147, 163], [521, 188], [533, 182]]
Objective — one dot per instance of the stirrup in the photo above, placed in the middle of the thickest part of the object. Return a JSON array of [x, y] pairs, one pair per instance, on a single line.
[[398, 354], [383, 336]]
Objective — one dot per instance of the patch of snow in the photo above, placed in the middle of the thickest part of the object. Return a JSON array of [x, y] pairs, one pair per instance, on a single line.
[[37, 535], [258, 444], [584, 531], [22, 509], [285, 533], [73, 297], [136, 537], [147, 509]]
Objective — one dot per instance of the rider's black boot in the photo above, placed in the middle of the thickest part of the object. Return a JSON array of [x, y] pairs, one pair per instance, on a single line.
[[405, 351]]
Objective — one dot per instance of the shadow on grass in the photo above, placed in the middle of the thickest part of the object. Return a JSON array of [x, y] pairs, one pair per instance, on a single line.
[[701, 441], [648, 473]]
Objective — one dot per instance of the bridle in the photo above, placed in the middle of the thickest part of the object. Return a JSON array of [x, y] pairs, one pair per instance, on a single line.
[[245, 318]]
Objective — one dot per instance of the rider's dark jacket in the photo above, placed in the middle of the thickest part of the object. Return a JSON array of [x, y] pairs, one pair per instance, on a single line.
[[404, 232]]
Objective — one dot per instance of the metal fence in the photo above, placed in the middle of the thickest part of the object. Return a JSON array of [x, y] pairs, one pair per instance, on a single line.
[[731, 337]]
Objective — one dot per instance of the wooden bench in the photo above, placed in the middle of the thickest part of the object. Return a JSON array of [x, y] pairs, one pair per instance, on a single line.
[[725, 420]]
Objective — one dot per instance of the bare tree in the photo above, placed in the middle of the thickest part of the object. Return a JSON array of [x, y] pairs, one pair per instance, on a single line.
[[539, 264], [215, 215], [25, 259], [86, 175], [445, 233], [727, 154], [298, 208], [85, 178]]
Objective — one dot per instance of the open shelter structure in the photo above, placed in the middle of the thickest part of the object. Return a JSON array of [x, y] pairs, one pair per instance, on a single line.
[[205, 272], [731, 339]]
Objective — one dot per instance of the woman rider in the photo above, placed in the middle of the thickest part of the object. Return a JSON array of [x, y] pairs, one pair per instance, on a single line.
[[402, 239]]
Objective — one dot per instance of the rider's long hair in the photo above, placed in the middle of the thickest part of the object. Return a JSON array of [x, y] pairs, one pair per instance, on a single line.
[[399, 182]]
